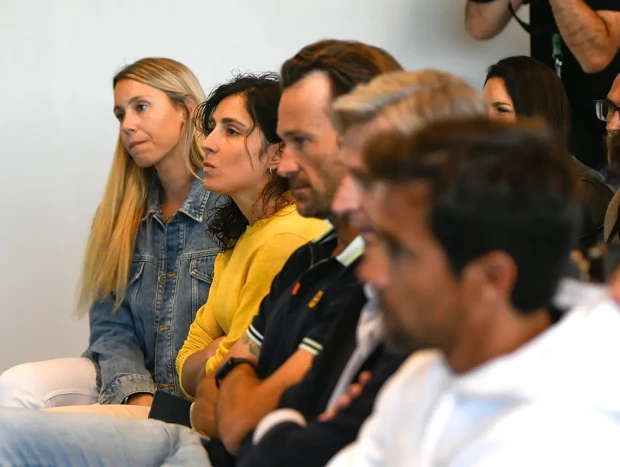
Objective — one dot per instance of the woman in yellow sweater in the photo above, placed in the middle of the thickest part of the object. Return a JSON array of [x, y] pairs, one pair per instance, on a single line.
[[257, 226]]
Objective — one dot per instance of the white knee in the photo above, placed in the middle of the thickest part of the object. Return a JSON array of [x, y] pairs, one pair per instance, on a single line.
[[18, 387], [50, 383]]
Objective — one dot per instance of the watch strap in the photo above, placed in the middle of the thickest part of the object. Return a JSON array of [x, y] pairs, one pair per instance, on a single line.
[[228, 366]]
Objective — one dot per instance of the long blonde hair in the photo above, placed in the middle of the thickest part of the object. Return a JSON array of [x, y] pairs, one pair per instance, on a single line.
[[110, 246]]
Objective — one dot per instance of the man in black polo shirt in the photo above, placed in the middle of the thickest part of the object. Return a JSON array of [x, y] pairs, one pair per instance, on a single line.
[[313, 423], [579, 38], [318, 282]]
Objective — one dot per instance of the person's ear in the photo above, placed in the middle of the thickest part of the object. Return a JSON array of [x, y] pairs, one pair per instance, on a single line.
[[500, 273], [188, 110], [274, 156], [491, 278]]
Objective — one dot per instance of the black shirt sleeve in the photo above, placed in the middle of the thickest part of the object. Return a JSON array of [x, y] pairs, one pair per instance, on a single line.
[[256, 330], [311, 395], [613, 5]]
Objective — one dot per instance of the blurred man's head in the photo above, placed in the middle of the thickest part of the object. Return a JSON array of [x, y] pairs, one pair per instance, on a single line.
[[403, 102], [607, 111], [610, 113], [311, 80], [476, 222]]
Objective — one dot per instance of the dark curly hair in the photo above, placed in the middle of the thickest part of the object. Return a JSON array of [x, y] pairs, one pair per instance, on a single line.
[[262, 94]]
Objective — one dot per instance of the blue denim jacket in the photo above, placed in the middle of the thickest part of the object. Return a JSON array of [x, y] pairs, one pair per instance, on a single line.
[[135, 347]]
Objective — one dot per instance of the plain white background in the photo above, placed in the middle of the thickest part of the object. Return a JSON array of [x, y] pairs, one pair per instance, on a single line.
[[57, 131]]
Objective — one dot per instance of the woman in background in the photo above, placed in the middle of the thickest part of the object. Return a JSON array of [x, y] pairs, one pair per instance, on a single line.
[[517, 87], [148, 263], [257, 228]]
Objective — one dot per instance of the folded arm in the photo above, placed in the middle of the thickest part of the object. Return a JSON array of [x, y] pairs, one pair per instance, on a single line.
[[248, 346], [245, 399], [285, 437], [265, 265], [202, 340], [203, 416]]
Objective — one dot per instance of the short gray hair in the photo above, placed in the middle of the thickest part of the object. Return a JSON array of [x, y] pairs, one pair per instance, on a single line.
[[409, 99]]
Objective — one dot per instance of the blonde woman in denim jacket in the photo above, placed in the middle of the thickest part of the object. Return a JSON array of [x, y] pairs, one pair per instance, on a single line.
[[148, 263]]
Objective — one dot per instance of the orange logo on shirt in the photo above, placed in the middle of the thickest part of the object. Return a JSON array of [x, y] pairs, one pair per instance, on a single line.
[[317, 298]]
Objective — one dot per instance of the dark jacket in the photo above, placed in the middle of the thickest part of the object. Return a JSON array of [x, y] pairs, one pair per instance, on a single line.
[[595, 196]]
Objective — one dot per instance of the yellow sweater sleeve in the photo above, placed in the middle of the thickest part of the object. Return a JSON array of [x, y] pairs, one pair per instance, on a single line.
[[204, 329], [267, 263]]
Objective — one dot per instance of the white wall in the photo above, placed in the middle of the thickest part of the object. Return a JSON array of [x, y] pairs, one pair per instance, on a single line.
[[57, 132]]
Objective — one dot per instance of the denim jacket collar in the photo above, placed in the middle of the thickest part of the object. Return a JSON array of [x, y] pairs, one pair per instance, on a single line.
[[193, 206]]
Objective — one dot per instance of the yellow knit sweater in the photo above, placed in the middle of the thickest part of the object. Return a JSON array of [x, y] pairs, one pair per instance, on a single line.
[[242, 277]]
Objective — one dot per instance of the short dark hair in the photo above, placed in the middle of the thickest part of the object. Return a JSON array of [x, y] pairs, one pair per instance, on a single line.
[[493, 186], [536, 91], [346, 63], [262, 94]]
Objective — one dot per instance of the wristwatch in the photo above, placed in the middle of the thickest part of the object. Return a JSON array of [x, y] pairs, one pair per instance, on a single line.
[[228, 366]]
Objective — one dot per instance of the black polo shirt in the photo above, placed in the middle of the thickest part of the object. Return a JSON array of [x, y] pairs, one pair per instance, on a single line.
[[289, 443], [587, 132], [305, 299]]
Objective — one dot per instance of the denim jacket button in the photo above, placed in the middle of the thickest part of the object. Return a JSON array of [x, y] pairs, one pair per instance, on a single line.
[[162, 278]]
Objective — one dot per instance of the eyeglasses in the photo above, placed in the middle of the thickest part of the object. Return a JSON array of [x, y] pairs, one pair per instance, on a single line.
[[606, 109]]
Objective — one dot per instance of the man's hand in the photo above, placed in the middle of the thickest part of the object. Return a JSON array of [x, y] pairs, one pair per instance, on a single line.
[[142, 398], [202, 414], [354, 391], [245, 399]]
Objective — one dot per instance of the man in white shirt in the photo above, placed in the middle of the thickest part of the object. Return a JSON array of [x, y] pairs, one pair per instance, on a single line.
[[476, 220]]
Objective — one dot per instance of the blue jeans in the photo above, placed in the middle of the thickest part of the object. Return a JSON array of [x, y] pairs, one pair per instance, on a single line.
[[30, 437]]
